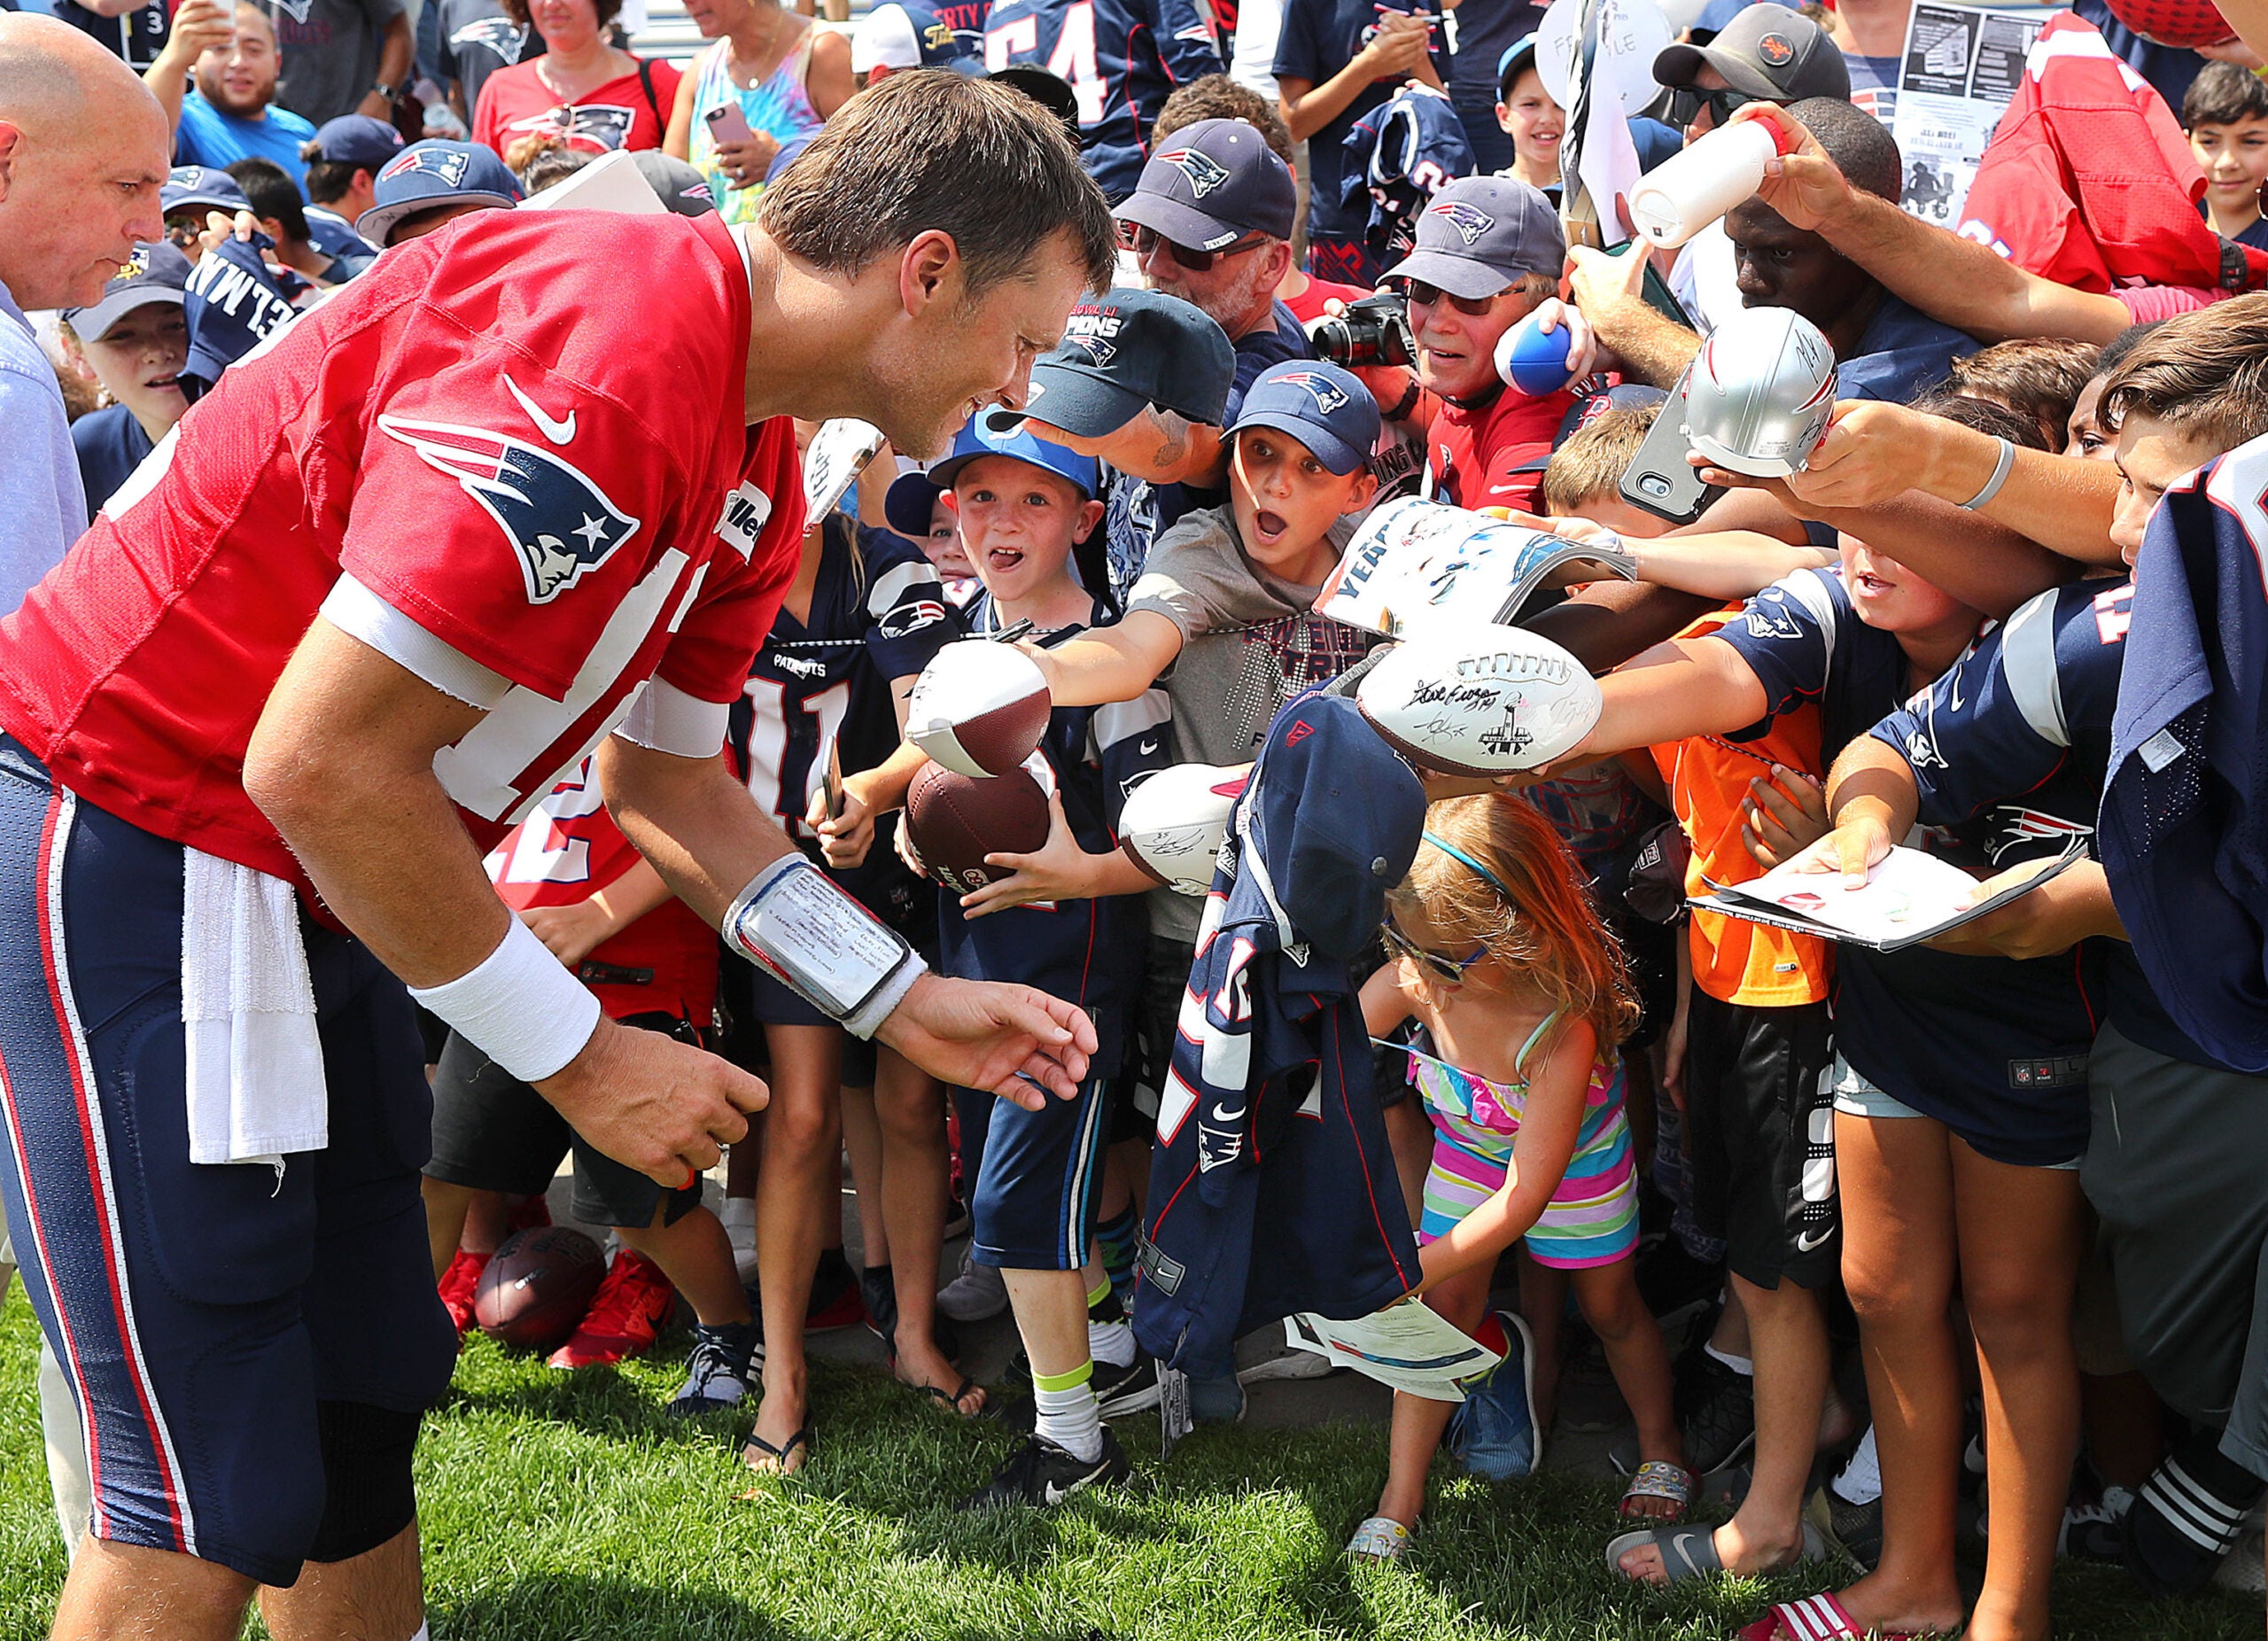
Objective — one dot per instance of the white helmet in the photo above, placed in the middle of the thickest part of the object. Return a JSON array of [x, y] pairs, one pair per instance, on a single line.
[[1760, 391]]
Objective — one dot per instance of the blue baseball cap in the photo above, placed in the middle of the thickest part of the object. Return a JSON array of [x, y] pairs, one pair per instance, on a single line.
[[1213, 184], [900, 35], [1120, 351], [427, 175], [1518, 56], [911, 496], [358, 140], [1481, 233], [1325, 409], [154, 277], [207, 185]]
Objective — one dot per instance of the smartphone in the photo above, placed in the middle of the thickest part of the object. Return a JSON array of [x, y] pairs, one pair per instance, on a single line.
[[1660, 479], [834, 780], [727, 124]]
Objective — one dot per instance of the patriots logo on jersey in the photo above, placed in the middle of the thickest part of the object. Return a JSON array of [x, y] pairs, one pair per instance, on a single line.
[[561, 525], [2033, 826], [1772, 618], [1205, 172], [449, 164], [1327, 396], [1470, 221], [1922, 750], [492, 34], [911, 617], [605, 125]]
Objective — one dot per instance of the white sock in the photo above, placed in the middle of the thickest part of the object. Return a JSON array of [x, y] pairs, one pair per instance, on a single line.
[[424, 1633], [1860, 1483], [738, 1211], [1745, 1366], [1070, 1417], [1111, 1343]]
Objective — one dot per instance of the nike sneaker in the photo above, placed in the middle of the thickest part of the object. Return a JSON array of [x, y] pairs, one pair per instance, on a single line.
[[1040, 1473], [627, 1313], [1132, 1388], [458, 1283]]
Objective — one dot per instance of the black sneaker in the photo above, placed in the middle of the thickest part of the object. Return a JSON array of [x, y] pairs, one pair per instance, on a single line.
[[1854, 1529], [1717, 1410], [1130, 1389], [1040, 1473], [717, 1372]]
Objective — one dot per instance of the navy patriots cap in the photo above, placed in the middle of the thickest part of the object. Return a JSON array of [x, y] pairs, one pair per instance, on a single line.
[[155, 277], [1325, 409], [431, 174], [358, 140], [1481, 233], [1125, 349], [205, 185], [1211, 184]]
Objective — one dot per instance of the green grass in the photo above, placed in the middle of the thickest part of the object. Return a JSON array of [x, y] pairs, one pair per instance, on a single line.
[[577, 1511]]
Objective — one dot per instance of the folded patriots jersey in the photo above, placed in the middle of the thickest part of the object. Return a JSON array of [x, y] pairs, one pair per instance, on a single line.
[[1269, 1116], [1400, 154], [234, 302]]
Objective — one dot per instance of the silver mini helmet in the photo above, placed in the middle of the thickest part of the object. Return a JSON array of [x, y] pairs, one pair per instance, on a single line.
[[1760, 391]]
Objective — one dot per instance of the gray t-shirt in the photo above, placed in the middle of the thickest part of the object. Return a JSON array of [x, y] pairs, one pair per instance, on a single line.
[[329, 51], [1250, 641]]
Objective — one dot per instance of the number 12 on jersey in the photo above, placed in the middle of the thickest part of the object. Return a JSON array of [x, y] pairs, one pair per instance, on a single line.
[[1015, 39]]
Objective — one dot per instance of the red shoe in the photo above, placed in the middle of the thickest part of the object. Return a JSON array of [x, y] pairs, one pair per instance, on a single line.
[[458, 1284], [527, 1216], [632, 1306], [835, 1302]]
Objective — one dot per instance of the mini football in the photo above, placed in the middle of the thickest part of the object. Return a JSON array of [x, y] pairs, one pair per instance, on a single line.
[[1479, 700], [979, 708], [956, 819], [1533, 360], [2190, 23], [537, 1287], [1173, 823]]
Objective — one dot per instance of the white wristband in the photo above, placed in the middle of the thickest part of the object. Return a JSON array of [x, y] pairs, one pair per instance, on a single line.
[[519, 1007], [2008, 459], [794, 923]]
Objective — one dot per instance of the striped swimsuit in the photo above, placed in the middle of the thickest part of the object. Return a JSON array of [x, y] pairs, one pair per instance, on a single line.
[[1592, 1219], [781, 106]]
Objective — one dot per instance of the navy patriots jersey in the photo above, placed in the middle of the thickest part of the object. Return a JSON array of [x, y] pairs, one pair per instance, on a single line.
[[1999, 1043], [2182, 839], [1123, 59], [233, 303], [1269, 1117], [1398, 157], [1085, 952]]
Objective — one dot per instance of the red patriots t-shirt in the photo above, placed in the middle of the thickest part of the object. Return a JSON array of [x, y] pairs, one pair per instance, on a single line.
[[513, 456], [1478, 457], [516, 103]]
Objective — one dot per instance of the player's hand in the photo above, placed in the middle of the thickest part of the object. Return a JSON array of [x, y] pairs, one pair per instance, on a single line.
[[845, 839], [1802, 184], [651, 1102], [1785, 813], [1585, 354], [746, 165], [1010, 1041], [2054, 917], [570, 933], [1854, 849], [1873, 451], [1057, 870], [200, 26]]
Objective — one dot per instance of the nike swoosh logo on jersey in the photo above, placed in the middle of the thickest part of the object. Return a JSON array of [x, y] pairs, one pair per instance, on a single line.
[[1805, 1241], [557, 432], [1147, 747]]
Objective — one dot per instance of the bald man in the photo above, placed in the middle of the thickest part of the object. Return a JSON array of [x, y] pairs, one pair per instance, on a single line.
[[83, 148]]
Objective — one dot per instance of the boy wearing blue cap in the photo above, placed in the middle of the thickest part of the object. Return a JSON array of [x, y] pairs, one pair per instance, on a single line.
[[1023, 504]]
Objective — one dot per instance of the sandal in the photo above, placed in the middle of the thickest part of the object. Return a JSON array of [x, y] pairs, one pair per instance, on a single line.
[[779, 1456], [950, 1402], [1380, 1538], [1687, 1552], [1658, 1479], [1825, 1618]]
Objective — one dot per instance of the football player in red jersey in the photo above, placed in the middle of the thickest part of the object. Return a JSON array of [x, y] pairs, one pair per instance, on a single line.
[[526, 490]]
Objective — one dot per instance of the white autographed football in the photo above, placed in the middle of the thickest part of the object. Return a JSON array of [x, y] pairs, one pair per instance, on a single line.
[[1479, 700], [1173, 823], [979, 708]]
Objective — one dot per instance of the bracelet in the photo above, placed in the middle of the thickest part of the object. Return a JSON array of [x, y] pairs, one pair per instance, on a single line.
[[794, 924], [1999, 477], [519, 1006], [1407, 403]]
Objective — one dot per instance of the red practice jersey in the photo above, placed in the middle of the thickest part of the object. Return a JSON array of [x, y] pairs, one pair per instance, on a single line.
[[512, 457], [1494, 456], [568, 851]]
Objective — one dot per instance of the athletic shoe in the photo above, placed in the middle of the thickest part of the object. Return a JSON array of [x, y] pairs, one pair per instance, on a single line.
[[458, 1283], [2189, 1516], [1130, 1389], [1717, 1411], [977, 1295], [739, 1217], [1263, 1354], [1854, 1529], [1493, 1431], [531, 1214], [718, 1370], [2244, 1569], [835, 1302], [1040, 1473], [1216, 1401], [630, 1308]]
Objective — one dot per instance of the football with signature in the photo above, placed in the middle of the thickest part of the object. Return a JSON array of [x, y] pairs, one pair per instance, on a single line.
[[1479, 700], [1173, 823]]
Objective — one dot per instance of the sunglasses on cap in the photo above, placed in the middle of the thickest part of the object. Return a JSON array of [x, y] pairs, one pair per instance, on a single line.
[[1686, 103], [1143, 241], [1421, 294], [1447, 970]]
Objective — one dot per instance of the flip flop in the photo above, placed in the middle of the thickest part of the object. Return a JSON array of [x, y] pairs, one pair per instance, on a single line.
[[1380, 1538], [1658, 1479], [1825, 1618], [1687, 1552], [803, 1438], [951, 1403]]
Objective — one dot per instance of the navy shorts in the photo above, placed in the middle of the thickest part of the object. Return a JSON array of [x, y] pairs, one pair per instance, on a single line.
[[199, 1312], [1039, 1174]]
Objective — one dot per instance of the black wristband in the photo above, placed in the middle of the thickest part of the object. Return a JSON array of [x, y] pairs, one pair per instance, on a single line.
[[1408, 403]]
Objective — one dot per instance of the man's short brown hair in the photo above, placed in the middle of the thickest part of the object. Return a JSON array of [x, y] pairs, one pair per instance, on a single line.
[[1216, 97], [1592, 461], [929, 150], [2203, 374]]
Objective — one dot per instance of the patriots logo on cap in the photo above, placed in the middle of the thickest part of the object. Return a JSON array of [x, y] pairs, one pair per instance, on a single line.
[[449, 164], [492, 34], [1470, 221], [1776, 49], [1100, 351], [1327, 395], [1205, 172], [560, 524], [136, 265]]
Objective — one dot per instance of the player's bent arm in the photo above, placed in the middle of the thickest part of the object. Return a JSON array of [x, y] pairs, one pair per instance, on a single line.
[[1107, 664], [1688, 687]]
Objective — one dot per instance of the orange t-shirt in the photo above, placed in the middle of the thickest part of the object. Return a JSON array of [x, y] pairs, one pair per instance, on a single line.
[[1735, 961]]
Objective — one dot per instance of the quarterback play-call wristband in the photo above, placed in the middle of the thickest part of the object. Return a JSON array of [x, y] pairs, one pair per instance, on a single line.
[[519, 1006], [794, 924]]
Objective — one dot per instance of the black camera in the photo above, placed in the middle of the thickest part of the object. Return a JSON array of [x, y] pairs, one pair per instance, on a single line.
[[1372, 331]]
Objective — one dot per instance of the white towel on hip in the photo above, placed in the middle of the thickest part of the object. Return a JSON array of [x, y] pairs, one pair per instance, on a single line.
[[256, 1090]]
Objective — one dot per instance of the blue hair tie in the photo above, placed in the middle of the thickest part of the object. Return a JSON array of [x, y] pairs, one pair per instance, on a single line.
[[1454, 853]]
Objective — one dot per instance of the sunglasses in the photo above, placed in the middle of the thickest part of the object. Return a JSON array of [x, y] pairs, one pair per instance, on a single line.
[[1144, 241], [1686, 101], [1421, 294], [1448, 970], [183, 232]]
